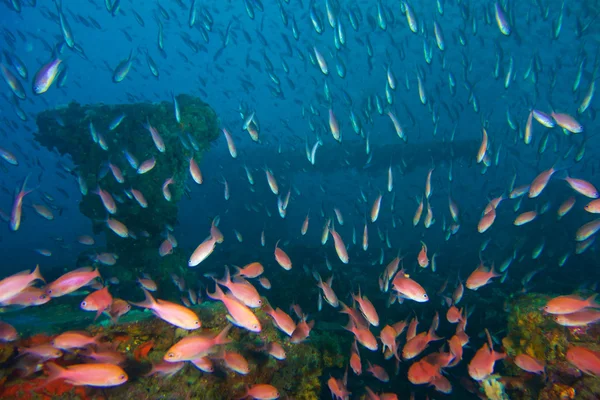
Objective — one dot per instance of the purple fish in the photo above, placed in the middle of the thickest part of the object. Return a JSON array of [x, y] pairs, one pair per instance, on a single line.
[[46, 76]]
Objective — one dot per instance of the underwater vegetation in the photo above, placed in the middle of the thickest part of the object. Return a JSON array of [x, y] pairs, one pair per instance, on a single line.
[[144, 342], [108, 144], [535, 333]]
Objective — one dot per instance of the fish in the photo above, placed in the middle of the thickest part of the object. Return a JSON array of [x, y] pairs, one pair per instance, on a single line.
[[17, 208], [14, 284], [174, 314], [239, 314], [45, 76], [196, 346], [96, 375], [409, 288]]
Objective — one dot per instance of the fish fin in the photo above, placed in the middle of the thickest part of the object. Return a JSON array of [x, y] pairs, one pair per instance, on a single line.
[[591, 301], [55, 372], [221, 338], [37, 275], [149, 301], [217, 295]]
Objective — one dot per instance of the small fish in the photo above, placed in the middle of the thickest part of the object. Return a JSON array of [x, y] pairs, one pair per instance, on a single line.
[[97, 375], [45, 76]]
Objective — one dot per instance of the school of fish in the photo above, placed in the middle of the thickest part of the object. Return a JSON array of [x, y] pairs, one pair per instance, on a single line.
[[534, 120]]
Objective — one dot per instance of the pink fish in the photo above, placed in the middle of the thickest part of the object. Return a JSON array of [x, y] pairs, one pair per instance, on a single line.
[[8, 333], [239, 314], [117, 227], [165, 189], [195, 171], [567, 122], [529, 364], [72, 281], [107, 200], [241, 289], [282, 320], [172, 313], [262, 392], [98, 375], [202, 252], [193, 347], [282, 258], [15, 215], [367, 309], [588, 361], [166, 248], [328, 292], [146, 166], [98, 301], [482, 364], [480, 277], [156, 138], [139, 197], [30, 296], [340, 247], [408, 288], [14, 284], [73, 340], [166, 369], [583, 187]]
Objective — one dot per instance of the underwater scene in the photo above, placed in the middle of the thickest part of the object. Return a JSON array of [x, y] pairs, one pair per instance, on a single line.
[[299, 199]]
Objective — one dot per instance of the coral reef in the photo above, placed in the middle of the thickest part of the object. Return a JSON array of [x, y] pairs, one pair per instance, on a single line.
[[84, 133], [532, 332], [145, 342]]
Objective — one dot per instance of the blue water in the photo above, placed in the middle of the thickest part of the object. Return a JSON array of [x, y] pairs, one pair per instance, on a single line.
[[219, 74]]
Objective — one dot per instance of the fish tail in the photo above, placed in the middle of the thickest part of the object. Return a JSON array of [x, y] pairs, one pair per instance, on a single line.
[[55, 372], [431, 334], [36, 273], [221, 338], [148, 302], [217, 295], [591, 301]]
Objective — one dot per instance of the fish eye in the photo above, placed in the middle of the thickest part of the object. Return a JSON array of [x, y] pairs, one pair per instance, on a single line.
[[425, 295], [171, 355], [197, 323], [259, 301], [255, 326], [49, 291], [122, 377], [83, 304]]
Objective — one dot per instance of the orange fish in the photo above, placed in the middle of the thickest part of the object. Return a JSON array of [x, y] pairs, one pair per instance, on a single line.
[[422, 257], [408, 288], [480, 277], [569, 304], [98, 375], [588, 361], [98, 301], [193, 347], [282, 258], [529, 364], [172, 313], [252, 270], [540, 182], [355, 362], [340, 247], [483, 147], [367, 309], [486, 221], [482, 364], [376, 207]]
